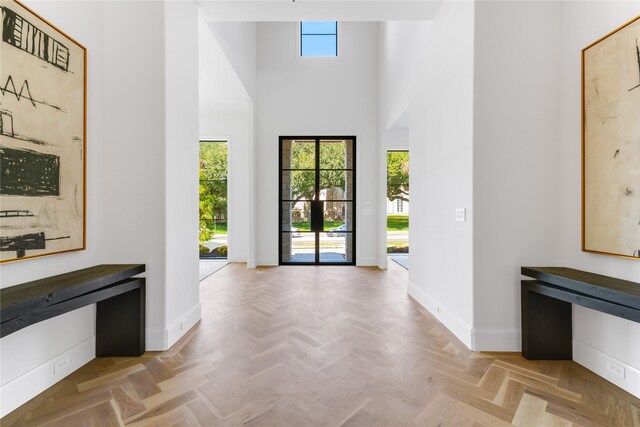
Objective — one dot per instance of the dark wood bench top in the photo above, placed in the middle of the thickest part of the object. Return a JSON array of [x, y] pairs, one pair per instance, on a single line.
[[16, 300], [605, 288]]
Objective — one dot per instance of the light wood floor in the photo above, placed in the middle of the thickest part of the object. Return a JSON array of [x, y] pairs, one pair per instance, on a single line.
[[324, 346]]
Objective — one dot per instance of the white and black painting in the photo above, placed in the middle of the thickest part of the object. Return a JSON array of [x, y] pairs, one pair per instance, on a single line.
[[42, 137]]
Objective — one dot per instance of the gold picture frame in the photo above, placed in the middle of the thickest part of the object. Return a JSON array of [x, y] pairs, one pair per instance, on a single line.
[[611, 143], [43, 77]]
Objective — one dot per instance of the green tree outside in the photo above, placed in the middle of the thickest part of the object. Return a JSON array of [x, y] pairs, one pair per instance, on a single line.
[[303, 156], [213, 188], [397, 188], [398, 175]]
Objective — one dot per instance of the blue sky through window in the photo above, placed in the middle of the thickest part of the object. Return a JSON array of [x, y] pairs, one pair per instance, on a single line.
[[319, 38]]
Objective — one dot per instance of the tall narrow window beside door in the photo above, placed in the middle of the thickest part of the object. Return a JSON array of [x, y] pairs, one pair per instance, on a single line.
[[213, 199], [319, 38]]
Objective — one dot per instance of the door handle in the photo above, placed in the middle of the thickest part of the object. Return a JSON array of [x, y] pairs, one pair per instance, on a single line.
[[317, 216]]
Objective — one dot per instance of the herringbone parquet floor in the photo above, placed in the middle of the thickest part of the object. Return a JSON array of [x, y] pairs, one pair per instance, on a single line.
[[324, 346]]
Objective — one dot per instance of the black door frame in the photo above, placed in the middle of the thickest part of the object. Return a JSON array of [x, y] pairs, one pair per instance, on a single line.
[[317, 140]]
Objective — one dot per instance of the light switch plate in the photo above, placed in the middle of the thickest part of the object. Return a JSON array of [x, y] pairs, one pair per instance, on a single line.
[[461, 214]]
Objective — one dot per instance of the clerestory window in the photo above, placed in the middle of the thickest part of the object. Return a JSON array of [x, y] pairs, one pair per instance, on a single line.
[[319, 38]]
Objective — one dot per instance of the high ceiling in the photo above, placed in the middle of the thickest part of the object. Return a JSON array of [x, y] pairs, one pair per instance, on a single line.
[[318, 10]]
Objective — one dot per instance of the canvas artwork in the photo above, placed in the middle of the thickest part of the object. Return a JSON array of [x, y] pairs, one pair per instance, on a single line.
[[611, 143], [42, 137]]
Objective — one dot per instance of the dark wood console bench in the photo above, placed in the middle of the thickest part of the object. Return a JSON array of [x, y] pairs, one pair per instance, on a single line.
[[120, 308], [546, 306]]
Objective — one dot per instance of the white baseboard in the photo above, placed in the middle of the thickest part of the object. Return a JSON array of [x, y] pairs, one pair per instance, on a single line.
[[496, 340], [619, 373], [383, 263], [182, 324], [268, 261], [155, 339], [475, 339], [449, 319], [25, 387], [251, 263], [366, 262], [237, 258], [162, 339]]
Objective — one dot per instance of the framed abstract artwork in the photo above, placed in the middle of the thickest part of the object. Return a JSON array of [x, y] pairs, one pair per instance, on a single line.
[[611, 143], [42, 137]]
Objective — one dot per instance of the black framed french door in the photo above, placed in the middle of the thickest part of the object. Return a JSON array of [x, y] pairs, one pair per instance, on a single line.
[[317, 200]]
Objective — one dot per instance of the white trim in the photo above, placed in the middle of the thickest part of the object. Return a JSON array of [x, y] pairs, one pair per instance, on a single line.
[[231, 196], [161, 339], [597, 362], [182, 324], [496, 340], [383, 263], [237, 258], [251, 263], [366, 261], [268, 261], [26, 386], [446, 316], [155, 339], [474, 339]]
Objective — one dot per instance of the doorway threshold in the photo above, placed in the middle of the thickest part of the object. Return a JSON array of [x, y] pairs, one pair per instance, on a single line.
[[208, 267], [401, 260]]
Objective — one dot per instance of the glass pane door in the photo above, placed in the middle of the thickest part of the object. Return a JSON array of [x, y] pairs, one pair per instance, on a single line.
[[317, 200]]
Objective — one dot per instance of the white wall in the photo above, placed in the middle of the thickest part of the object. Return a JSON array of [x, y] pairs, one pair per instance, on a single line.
[[527, 172], [127, 191], [181, 169], [526, 168], [238, 41], [226, 113], [317, 96], [278, 10], [597, 337], [151, 210], [396, 139], [401, 52], [440, 141], [221, 89], [515, 167], [134, 134], [236, 129]]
